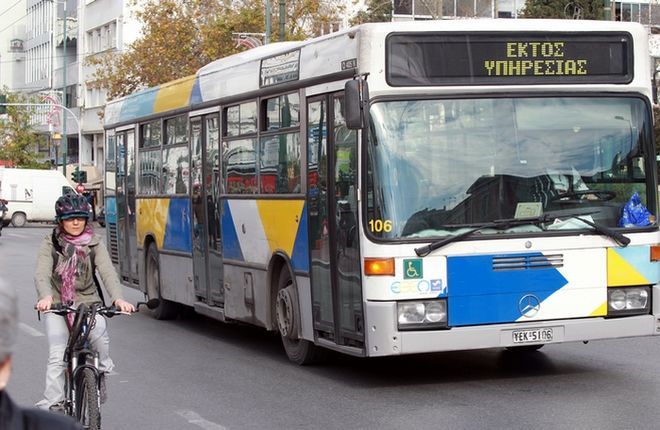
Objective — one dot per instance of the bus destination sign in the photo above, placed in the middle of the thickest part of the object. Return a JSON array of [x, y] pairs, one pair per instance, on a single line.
[[506, 59]]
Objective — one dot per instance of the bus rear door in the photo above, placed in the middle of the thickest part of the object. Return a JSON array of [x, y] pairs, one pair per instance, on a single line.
[[207, 246], [128, 262]]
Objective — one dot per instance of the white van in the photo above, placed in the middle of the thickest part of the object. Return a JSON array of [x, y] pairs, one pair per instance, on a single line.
[[31, 194]]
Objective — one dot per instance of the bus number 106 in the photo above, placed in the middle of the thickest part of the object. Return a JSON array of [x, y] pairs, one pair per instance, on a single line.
[[379, 226]]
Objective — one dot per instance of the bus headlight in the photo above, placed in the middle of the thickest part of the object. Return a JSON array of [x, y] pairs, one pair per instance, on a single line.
[[627, 301], [420, 315]]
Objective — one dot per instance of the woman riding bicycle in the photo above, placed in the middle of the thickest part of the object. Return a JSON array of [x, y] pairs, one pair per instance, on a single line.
[[65, 274]]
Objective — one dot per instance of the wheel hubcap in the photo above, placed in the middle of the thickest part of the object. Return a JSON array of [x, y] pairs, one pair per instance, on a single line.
[[284, 313]]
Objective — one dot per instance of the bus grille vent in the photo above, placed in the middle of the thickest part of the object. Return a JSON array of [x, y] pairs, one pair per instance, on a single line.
[[112, 237], [524, 262]]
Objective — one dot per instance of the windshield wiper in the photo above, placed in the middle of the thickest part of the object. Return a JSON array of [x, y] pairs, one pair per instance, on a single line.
[[500, 224], [425, 250], [619, 238]]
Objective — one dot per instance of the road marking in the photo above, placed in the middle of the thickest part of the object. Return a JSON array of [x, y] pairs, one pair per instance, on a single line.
[[29, 330], [193, 418]]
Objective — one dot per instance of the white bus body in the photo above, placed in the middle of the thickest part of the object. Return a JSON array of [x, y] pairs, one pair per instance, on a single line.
[[372, 251]]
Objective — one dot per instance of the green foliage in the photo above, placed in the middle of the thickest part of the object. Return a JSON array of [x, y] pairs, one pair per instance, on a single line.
[[376, 11], [562, 9], [18, 141], [180, 37]]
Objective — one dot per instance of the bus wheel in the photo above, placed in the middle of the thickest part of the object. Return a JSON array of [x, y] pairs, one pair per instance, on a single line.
[[524, 349], [18, 219], [166, 309], [287, 314]]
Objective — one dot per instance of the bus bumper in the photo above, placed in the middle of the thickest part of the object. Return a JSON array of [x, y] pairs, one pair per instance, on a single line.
[[383, 337]]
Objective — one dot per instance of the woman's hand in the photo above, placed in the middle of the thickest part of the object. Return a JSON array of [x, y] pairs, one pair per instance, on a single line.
[[124, 306], [45, 303]]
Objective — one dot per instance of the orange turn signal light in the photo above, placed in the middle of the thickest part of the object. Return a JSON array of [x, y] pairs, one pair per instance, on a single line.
[[379, 266], [655, 253]]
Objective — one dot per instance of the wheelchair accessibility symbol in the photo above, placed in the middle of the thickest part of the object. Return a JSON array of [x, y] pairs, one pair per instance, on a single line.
[[412, 269]]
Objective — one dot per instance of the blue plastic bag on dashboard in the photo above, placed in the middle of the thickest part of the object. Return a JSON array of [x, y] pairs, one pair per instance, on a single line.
[[635, 213]]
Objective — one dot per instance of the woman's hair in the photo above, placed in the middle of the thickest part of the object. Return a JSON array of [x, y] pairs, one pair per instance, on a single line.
[[8, 320]]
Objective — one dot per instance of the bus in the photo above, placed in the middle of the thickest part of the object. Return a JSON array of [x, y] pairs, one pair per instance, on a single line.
[[399, 188]]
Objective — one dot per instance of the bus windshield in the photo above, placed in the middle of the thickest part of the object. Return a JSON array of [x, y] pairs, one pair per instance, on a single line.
[[437, 167]]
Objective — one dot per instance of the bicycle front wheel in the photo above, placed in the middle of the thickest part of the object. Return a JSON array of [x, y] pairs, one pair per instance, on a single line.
[[88, 407]]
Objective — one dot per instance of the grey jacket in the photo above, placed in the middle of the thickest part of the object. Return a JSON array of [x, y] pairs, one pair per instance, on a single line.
[[50, 283]]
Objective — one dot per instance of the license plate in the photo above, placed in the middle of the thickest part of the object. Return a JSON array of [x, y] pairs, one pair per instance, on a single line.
[[532, 335]]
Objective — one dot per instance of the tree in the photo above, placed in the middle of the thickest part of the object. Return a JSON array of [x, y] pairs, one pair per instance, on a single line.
[[179, 37], [576, 9], [376, 11], [18, 141]]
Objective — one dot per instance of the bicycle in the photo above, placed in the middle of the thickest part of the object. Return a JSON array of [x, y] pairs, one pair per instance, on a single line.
[[82, 379]]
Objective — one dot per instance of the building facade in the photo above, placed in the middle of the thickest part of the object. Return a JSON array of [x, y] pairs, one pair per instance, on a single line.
[[45, 49], [12, 44], [106, 26]]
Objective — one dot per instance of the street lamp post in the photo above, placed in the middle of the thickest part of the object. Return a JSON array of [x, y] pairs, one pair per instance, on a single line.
[[65, 146]]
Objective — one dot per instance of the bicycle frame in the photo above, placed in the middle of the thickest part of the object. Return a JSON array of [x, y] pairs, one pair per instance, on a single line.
[[78, 356], [82, 364]]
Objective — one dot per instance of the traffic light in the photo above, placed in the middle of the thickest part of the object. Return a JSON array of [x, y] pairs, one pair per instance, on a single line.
[[79, 176]]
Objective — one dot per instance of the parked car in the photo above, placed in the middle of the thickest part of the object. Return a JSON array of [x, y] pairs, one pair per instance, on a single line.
[[3, 214]]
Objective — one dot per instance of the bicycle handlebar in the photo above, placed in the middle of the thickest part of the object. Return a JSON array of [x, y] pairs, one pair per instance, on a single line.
[[107, 311], [62, 310]]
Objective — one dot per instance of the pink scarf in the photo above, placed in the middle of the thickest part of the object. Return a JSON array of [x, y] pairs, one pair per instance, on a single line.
[[73, 263]]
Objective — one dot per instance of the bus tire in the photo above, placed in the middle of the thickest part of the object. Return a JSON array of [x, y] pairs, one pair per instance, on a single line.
[[18, 219], [287, 315], [525, 349], [166, 309]]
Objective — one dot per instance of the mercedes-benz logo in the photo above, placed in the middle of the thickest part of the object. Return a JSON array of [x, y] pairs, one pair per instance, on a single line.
[[529, 305]]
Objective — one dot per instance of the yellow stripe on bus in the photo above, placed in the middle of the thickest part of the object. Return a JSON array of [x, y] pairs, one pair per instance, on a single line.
[[174, 95], [600, 310], [620, 272], [281, 219], [151, 219]]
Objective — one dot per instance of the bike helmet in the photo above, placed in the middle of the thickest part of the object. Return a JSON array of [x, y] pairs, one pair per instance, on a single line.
[[71, 206]]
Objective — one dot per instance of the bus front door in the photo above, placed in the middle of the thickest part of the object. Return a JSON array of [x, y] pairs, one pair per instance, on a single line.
[[332, 209]]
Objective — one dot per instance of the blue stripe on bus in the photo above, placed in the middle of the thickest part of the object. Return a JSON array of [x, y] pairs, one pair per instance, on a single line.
[[178, 235], [111, 210], [231, 247], [480, 295], [140, 104], [196, 93], [300, 257]]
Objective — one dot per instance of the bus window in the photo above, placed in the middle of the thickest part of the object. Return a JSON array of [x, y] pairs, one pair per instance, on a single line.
[[240, 166]]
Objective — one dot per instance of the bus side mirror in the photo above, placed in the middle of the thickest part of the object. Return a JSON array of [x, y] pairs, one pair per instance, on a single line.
[[356, 100], [654, 86]]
